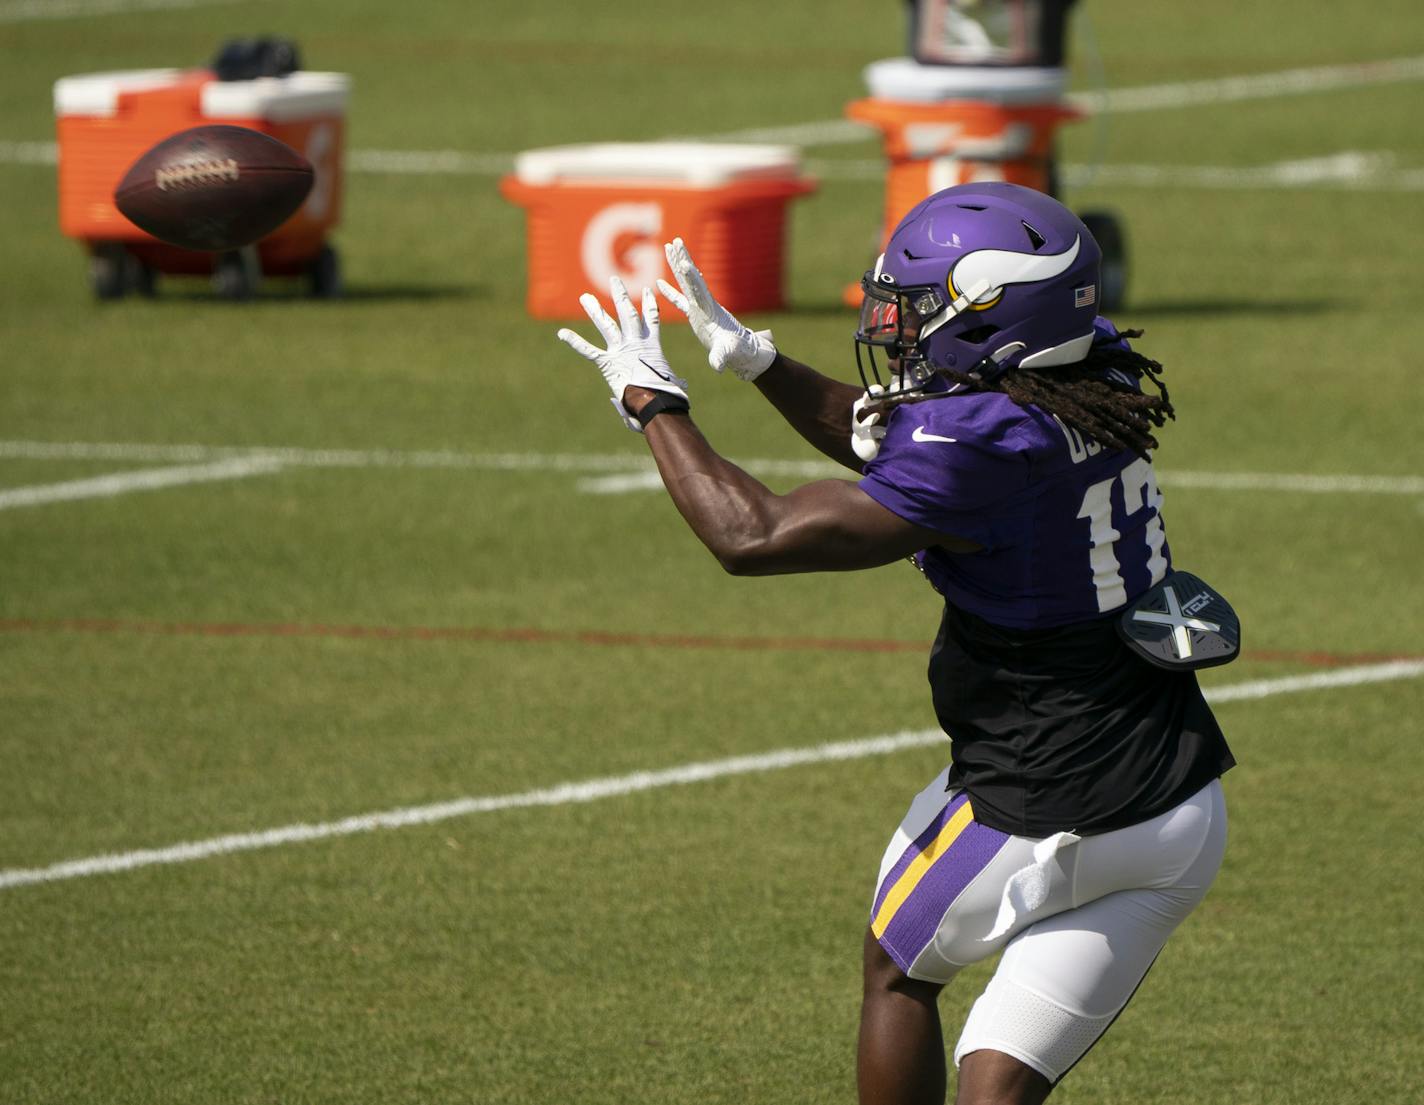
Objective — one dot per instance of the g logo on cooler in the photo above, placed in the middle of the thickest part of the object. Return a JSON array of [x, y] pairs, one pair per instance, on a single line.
[[638, 264]]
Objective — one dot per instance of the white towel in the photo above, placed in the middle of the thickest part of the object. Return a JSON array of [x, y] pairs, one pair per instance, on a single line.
[[1027, 888]]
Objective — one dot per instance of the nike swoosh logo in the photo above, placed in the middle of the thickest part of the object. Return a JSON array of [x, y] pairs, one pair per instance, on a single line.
[[920, 435], [656, 372]]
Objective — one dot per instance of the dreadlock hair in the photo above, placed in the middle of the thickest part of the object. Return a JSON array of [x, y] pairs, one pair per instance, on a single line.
[[1087, 397]]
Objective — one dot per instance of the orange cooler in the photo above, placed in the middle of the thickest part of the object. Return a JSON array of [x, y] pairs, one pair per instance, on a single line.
[[597, 211], [105, 121], [943, 125]]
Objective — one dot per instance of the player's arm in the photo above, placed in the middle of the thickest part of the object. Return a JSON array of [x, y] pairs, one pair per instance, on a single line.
[[830, 525], [815, 406]]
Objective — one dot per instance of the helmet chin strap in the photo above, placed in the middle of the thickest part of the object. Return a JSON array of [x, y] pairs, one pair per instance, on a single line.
[[992, 367]]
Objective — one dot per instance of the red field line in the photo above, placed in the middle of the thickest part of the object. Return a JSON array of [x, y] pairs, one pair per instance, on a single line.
[[528, 635], [454, 633]]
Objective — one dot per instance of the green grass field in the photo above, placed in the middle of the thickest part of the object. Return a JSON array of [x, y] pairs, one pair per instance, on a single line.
[[339, 636]]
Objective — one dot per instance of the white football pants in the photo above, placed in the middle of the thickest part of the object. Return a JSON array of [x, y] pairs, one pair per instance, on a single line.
[[1079, 919]]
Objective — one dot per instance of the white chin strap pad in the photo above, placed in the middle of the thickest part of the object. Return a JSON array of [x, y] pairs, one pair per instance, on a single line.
[[1071, 351]]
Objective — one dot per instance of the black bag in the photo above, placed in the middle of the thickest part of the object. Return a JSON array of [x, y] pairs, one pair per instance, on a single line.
[[245, 59]]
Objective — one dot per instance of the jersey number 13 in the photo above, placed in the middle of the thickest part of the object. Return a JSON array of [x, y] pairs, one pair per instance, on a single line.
[[1139, 491]]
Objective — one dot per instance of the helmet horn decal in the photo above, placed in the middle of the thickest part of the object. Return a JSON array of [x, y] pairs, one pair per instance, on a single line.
[[996, 268]]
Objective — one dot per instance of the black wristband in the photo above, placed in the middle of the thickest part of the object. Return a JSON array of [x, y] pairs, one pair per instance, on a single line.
[[662, 403]]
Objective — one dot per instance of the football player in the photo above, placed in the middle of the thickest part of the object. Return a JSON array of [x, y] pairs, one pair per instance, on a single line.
[[1003, 438]]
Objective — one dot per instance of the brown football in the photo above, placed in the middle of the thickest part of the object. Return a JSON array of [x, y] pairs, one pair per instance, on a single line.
[[214, 187]]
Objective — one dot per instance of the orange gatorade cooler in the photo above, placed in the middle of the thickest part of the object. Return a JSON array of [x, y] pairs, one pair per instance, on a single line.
[[105, 121], [943, 125], [596, 211]]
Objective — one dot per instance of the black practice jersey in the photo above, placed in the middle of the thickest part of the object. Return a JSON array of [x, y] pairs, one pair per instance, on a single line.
[[1066, 729]]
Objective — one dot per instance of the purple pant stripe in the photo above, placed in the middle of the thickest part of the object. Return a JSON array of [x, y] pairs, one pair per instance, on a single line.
[[921, 842], [919, 916]]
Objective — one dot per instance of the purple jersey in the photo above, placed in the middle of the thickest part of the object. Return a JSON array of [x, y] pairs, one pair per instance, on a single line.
[[1054, 722], [1070, 530]]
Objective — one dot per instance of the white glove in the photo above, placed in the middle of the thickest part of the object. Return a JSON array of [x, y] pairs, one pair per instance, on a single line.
[[634, 357], [729, 344], [866, 431]]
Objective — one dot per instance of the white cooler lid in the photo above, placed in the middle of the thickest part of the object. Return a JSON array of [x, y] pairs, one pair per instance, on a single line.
[[907, 79], [98, 93], [298, 95], [701, 164]]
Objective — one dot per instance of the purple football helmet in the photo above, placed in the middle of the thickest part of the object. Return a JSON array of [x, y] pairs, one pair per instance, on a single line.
[[979, 278]]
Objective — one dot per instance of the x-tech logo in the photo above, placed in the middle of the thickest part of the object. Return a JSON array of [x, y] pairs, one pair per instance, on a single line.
[[1180, 622]]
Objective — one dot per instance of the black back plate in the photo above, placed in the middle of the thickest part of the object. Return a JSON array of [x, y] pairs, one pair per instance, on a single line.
[[1182, 624]]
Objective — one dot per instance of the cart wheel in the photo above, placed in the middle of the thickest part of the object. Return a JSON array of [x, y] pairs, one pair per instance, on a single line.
[[109, 267], [145, 279], [1052, 175], [236, 274], [1112, 240], [324, 276]]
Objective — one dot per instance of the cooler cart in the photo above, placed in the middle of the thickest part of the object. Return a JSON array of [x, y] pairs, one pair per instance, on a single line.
[[105, 121]]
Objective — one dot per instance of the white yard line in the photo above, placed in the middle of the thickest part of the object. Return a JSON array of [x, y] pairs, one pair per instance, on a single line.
[[1287, 481], [323, 458], [29, 153], [1343, 677], [1198, 481], [428, 162], [820, 132], [1348, 170], [629, 471], [1342, 169], [143, 479], [563, 794], [1153, 97], [1259, 86], [593, 790], [1352, 170], [27, 11], [620, 485]]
